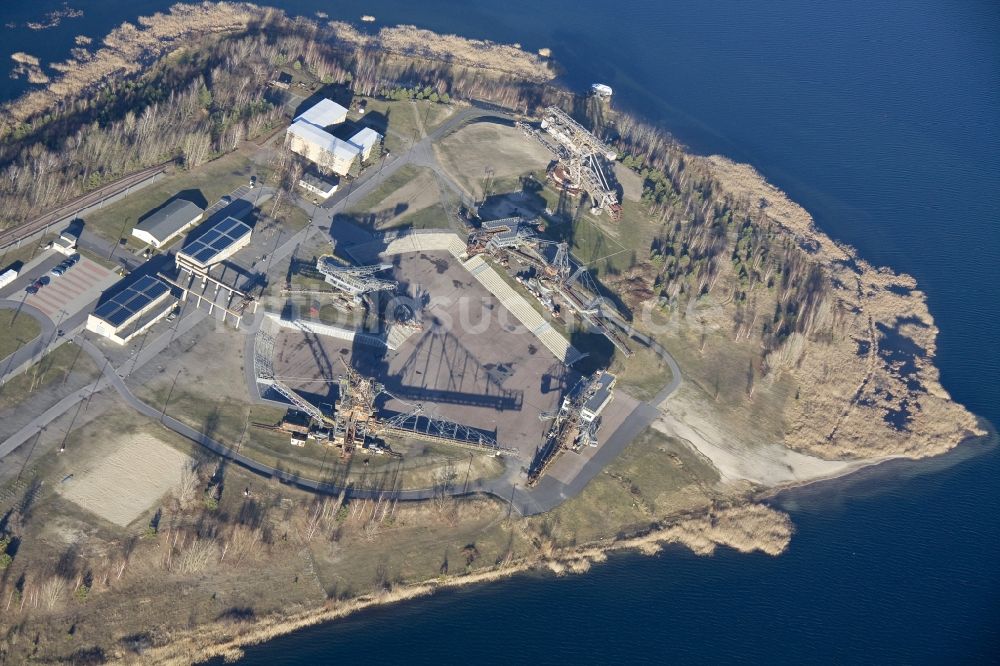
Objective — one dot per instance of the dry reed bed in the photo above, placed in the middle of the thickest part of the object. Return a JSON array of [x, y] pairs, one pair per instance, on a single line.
[[414, 42], [128, 48], [848, 396], [746, 528]]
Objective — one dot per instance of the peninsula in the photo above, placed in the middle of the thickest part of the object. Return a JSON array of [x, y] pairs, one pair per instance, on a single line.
[[302, 319]]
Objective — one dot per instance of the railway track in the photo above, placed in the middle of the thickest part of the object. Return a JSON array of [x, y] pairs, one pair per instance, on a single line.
[[87, 200]]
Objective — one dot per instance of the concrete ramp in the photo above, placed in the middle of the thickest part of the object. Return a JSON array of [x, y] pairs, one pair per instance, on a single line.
[[394, 243], [328, 330], [518, 306]]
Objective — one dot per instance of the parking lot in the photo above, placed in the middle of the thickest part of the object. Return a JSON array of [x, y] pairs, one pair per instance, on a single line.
[[70, 293]]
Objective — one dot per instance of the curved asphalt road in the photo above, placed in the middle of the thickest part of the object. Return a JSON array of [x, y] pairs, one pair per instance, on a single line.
[[27, 351]]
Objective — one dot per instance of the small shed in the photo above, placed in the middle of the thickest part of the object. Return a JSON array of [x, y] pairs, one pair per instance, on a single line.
[[318, 184]]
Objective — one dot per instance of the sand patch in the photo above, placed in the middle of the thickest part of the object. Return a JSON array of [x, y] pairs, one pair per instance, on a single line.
[[125, 484], [630, 181], [763, 463]]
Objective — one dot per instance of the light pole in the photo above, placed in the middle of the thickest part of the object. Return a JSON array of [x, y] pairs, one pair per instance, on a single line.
[[467, 473], [114, 246], [94, 387], [163, 412]]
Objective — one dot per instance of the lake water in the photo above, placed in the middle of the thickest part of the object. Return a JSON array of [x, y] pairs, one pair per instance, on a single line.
[[881, 117]]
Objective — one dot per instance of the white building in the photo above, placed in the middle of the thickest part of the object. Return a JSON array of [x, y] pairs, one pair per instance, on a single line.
[[66, 243], [600, 399], [318, 184], [167, 223], [219, 241], [131, 310], [321, 148], [308, 136], [323, 114], [366, 139]]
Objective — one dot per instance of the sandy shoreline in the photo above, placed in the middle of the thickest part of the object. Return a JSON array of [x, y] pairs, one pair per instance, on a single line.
[[769, 465]]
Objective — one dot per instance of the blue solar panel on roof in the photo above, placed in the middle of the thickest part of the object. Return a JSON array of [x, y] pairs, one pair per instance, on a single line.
[[118, 317], [204, 254], [105, 309], [125, 304], [222, 235]]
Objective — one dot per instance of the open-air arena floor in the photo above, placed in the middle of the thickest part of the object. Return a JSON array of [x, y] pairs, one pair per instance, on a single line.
[[472, 362]]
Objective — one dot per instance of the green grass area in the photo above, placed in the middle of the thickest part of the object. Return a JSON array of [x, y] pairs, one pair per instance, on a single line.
[[401, 177], [597, 239], [432, 217], [435, 114], [292, 218], [654, 477], [415, 205], [213, 180], [231, 423], [224, 420], [643, 374], [56, 366], [17, 330], [28, 251], [403, 124]]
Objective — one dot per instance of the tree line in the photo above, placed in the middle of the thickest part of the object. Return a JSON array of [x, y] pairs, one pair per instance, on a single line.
[[212, 93], [711, 243]]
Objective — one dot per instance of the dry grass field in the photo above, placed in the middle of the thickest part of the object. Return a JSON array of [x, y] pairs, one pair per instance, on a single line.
[[654, 478], [65, 368], [408, 120], [468, 153], [400, 200]]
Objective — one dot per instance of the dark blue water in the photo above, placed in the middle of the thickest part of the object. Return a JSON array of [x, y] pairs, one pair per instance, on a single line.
[[882, 117]]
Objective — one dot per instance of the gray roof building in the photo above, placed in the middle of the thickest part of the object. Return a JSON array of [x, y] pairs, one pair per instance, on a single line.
[[319, 184], [168, 222], [596, 403]]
